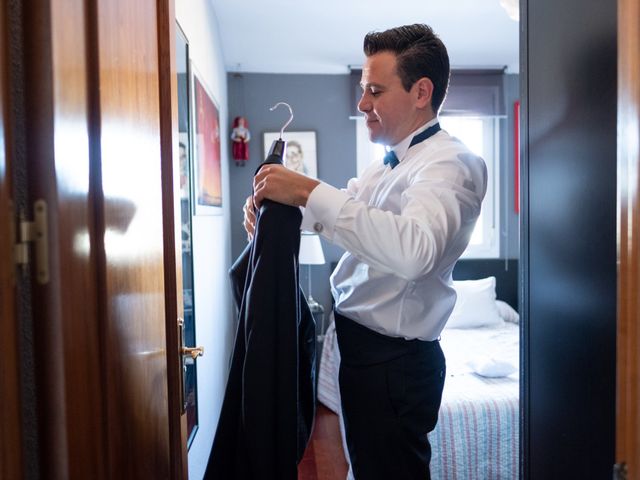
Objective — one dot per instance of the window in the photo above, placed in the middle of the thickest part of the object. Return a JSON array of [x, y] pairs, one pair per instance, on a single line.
[[481, 136]]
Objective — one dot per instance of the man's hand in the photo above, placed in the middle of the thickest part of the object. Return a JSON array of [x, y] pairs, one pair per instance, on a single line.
[[249, 217], [282, 185]]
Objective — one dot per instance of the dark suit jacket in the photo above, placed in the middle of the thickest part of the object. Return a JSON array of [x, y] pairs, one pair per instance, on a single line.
[[269, 403]]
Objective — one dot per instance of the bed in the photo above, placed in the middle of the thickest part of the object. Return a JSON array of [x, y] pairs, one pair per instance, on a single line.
[[477, 435]]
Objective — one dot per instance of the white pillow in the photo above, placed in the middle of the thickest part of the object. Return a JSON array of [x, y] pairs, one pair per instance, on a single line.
[[491, 367], [507, 312], [475, 305]]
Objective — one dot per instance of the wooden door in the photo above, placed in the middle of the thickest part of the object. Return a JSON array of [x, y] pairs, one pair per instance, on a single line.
[[98, 135], [66, 328], [136, 225], [628, 341], [10, 435]]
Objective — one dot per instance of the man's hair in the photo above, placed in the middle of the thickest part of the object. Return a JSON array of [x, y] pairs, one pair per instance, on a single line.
[[419, 53]]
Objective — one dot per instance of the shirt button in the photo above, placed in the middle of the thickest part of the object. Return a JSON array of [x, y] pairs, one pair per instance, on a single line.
[[318, 227]]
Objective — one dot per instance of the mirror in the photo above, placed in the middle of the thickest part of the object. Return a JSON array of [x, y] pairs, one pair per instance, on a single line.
[[189, 379]]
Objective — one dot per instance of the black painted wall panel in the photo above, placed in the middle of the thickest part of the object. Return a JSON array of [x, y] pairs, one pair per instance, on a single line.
[[569, 241]]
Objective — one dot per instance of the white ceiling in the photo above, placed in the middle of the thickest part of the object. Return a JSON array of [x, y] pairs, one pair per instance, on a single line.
[[325, 36]]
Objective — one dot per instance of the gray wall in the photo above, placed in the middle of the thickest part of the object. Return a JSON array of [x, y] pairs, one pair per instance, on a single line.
[[320, 103]]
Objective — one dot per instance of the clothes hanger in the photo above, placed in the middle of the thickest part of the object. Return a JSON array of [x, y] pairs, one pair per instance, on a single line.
[[279, 146], [290, 116]]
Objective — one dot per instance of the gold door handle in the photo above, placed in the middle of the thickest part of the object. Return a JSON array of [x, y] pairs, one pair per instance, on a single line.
[[193, 352]]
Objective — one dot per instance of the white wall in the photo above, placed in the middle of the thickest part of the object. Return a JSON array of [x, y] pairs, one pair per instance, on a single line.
[[215, 327]]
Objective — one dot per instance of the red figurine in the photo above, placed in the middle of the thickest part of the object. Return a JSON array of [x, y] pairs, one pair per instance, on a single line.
[[240, 136]]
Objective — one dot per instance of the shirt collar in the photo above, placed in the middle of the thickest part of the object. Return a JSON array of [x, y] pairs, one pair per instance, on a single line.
[[400, 149]]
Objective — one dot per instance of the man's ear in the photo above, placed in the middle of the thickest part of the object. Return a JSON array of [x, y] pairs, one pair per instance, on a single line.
[[424, 92]]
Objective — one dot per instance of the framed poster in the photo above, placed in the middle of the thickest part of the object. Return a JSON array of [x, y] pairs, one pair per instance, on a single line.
[[301, 151], [206, 145]]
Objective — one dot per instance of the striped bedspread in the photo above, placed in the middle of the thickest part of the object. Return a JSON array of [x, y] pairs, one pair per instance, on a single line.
[[476, 437]]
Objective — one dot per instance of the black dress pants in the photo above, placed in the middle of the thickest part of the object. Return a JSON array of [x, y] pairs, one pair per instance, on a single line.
[[391, 390]]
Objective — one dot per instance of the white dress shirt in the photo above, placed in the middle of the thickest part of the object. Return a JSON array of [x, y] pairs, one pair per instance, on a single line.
[[403, 230]]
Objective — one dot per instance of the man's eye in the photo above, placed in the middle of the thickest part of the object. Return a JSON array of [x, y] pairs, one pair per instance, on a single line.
[[371, 91]]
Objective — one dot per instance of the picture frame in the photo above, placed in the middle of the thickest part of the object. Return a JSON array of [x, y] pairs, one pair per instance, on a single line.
[[207, 155], [301, 154]]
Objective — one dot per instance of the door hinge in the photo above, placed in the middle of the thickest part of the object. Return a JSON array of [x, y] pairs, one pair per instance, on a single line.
[[35, 232], [620, 471]]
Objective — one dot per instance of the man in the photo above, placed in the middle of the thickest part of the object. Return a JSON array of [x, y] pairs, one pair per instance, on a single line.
[[403, 223], [294, 158]]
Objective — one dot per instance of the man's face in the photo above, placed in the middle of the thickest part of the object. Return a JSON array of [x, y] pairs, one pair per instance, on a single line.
[[389, 110], [294, 158]]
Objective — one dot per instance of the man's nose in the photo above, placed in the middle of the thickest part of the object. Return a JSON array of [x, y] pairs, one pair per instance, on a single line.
[[364, 105]]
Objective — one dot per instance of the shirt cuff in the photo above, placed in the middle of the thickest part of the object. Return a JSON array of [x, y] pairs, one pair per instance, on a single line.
[[322, 210]]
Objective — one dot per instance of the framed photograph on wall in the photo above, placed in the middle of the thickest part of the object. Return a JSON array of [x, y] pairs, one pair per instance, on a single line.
[[301, 151], [206, 145]]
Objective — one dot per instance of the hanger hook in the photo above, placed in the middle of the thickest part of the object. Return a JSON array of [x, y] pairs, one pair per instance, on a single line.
[[290, 116]]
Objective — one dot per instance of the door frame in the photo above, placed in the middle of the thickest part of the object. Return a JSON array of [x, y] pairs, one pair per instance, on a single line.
[[628, 330], [168, 87], [11, 460]]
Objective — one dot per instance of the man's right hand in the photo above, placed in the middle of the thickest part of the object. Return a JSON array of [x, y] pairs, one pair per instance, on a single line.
[[249, 217]]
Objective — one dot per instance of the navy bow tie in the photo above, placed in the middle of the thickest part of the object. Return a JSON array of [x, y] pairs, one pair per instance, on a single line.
[[392, 160]]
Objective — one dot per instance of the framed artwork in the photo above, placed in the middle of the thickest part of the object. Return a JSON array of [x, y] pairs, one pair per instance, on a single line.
[[301, 151], [206, 146]]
